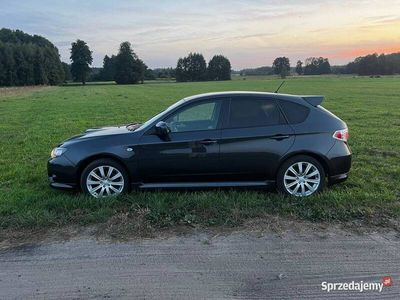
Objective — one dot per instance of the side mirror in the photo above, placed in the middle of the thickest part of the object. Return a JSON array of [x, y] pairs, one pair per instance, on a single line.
[[162, 130]]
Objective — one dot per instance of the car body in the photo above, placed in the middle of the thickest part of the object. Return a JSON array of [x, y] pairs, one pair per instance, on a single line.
[[210, 140]]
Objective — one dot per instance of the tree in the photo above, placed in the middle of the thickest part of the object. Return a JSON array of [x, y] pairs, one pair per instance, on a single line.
[[191, 68], [219, 68], [7, 69], [149, 75], [108, 71], [164, 72], [38, 69], [299, 67], [317, 66], [143, 69], [67, 71], [281, 66], [55, 71], [28, 60], [266, 70], [182, 70], [128, 67], [81, 58]]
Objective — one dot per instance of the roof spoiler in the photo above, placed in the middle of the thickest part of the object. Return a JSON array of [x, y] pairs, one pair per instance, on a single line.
[[313, 100]]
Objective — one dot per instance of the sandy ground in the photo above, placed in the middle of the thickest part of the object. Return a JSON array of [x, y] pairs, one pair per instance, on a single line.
[[19, 90], [253, 262]]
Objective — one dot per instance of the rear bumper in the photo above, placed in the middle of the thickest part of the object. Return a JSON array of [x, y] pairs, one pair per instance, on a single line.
[[340, 165], [339, 162], [337, 178]]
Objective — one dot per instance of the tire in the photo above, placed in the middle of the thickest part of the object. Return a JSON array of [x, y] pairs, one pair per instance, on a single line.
[[292, 178], [97, 182]]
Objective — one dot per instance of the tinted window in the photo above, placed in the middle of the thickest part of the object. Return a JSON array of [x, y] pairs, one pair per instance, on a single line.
[[295, 113], [202, 116], [253, 112]]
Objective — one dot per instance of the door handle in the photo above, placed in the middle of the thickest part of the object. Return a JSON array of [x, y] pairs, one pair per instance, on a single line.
[[208, 142], [279, 137]]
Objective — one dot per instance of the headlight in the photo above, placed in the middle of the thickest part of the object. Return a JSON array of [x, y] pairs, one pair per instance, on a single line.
[[56, 152]]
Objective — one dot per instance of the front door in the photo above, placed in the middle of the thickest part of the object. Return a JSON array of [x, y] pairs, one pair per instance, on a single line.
[[192, 153]]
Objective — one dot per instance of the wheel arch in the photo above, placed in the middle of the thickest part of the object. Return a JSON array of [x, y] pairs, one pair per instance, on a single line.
[[85, 162], [319, 157]]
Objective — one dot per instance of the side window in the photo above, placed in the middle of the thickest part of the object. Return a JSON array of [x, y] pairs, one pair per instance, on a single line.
[[253, 112], [202, 116], [295, 113]]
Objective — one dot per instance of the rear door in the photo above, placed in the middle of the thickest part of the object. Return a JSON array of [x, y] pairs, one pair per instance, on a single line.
[[254, 137]]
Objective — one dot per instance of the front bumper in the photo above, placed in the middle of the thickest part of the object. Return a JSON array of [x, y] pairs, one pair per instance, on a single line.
[[59, 185], [62, 173]]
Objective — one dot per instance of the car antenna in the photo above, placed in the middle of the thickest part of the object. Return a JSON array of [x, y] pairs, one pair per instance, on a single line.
[[277, 90]]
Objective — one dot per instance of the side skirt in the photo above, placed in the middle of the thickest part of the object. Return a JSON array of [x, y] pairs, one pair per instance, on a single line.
[[175, 185]]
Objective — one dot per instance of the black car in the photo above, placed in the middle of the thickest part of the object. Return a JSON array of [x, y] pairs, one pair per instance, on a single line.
[[223, 139]]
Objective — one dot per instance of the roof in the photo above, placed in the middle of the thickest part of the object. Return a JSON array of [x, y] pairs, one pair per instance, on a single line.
[[313, 100]]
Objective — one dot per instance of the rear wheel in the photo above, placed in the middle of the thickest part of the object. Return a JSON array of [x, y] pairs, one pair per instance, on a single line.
[[104, 178], [301, 176]]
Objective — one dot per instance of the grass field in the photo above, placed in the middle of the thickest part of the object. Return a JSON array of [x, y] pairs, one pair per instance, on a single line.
[[33, 122]]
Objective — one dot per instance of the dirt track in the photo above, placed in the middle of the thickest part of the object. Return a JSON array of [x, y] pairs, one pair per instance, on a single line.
[[247, 264]]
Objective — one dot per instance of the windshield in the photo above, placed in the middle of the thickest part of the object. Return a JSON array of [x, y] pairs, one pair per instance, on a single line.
[[159, 115]]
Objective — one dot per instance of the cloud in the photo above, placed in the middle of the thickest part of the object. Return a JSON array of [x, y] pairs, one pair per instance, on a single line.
[[250, 32]]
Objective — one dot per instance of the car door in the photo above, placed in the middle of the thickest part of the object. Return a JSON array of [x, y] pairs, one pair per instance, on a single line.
[[192, 153], [254, 137]]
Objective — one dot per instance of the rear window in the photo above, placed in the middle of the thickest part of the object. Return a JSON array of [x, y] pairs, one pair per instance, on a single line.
[[295, 113], [253, 112]]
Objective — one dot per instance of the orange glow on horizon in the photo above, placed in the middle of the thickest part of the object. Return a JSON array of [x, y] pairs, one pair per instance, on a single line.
[[357, 52]]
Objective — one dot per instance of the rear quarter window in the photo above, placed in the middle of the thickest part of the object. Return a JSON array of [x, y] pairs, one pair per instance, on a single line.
[[253, 112], [295, 113]]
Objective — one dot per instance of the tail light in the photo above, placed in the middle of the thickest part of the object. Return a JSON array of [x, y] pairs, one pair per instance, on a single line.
[[341, 135]]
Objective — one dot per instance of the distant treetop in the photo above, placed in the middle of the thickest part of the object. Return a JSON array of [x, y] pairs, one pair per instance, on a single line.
[[18, 36]]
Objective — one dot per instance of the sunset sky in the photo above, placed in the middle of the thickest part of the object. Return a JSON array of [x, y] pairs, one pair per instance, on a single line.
[[249, 33]]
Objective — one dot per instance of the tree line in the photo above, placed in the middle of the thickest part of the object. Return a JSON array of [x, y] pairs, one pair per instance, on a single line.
[[28, 60], [33, 60], [123, 68], [126, 67], [374, 64], [312, 66], [194, 68]]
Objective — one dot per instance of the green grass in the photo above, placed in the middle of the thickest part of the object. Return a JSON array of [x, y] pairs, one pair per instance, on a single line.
[[32, 123]]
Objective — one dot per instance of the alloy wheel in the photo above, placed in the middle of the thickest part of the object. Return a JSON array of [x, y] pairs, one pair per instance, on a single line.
[[302, 179], [105, 181]]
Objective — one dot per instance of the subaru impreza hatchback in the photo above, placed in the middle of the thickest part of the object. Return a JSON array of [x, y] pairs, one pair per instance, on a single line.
[[225, 139]]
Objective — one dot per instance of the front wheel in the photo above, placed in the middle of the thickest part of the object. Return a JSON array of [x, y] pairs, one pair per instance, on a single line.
[[104, 178], [301, 176]]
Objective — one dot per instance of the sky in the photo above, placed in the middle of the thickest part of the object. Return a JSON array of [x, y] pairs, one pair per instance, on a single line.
[[250, 33]]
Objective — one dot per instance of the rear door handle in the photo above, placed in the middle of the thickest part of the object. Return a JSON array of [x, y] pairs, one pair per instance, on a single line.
[[208, 142], [279, 137]]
